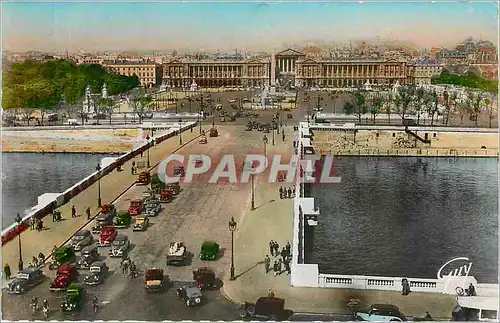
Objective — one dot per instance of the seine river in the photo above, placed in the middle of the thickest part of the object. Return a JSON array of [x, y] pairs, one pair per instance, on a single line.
[[406, 217], [25, 176]]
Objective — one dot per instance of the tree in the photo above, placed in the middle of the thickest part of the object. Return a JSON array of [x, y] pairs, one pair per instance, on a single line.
[[105, 107], [348, 108], [419, 101], [402, 101], [140, 105], [360, 104], [433, 105], [490, 106], [376, 104], [474, 103], [389, 100]]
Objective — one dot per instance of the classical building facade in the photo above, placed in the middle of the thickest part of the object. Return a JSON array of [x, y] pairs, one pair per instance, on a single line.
[[421, 71], [349, 72], [180, 73], [149, 73]]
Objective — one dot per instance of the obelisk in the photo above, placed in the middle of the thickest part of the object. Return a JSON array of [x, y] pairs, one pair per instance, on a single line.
[[273, 69]]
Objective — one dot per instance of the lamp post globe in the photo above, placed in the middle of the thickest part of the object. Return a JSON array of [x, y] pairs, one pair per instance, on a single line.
[[19, 220], [98, 169], [232, 228]]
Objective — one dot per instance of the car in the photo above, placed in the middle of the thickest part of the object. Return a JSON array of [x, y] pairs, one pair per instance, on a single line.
[[122, 220], [88, 255], [174, 188], [270, 308], [179, 171], [177, 254], [191, 295], [73, 299], [25, 280], [382, 313], [152, 208], [82, 239], [62, 255], [153, 280], [119, 246], [141, 223], [98, 271], [143, 178], [107, 236], [209, 250], [65, 275], [204, 278], [105, 217], [136, 207]]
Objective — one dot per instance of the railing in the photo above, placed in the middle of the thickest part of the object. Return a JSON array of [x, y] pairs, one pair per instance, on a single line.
[[11, 231], [335, 127], [413, 152]]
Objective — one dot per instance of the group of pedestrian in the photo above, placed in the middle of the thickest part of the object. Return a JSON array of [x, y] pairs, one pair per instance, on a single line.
[[36, 224], [38, 262], [128, 267], [56, 216], [282, 258], [287, 193]]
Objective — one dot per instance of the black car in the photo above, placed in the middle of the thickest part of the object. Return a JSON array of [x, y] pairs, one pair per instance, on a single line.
[[25, 280], [271, 308]]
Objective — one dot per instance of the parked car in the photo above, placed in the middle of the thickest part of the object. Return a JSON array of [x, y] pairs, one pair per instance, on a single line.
[[119, 246], [65, 275], [382, 313], [25, 280], [89, 255], [270, 308], [204, 278], [153, 280], [74, 298], [177, 254], [136, 207], [152, 208], [107, 236], [141, 223], [98, 271], [191, 295], [82, 239], [209, 250]]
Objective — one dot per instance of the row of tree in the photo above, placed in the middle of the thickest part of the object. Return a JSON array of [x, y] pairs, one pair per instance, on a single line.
[[470, 80], [42, 85], [418, 101]]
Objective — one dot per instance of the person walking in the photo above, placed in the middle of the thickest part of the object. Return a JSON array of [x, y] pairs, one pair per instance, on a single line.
[[289, 193], [267, 263], [281, 192], [283, 254], [6, 271], [283, 135], [275, 268], [88, 212], [54, 216], [406, 287], [287, 267], [288, 248], [276, 248], [133, 167], [271, 247], [73, 212]]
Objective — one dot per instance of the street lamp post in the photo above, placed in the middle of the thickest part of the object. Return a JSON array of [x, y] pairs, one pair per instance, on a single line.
[[180, 132], [265, 141], [253, 192], [147, 139], [19, 221], [213, 116], [273, 136], [98, 169], [232, 228]]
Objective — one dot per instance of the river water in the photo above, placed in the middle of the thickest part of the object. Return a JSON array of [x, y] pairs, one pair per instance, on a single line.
[[25, 176], [406, 217]]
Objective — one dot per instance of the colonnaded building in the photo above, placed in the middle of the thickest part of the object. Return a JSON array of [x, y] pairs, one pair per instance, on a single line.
[[290, 66]]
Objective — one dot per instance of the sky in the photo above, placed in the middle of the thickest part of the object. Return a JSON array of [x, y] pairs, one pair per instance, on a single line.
[[225, 26]]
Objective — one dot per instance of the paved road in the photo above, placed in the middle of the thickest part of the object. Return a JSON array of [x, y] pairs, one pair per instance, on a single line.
[[201, 212]]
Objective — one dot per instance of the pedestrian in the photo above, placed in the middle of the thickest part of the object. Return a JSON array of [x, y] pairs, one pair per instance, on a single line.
[[276, 248], [275, 268], [406, 287], [40, 225], [293, 191], [281, 192], [32, 223], [73, 212], [283, 135], [270, 293], [267, 263], [41, 258], [287, 267], [35, 261], [6, 271], [58, 216], [471, 291], [288, 248], [289, 193], [133, 167], [271, 247], [283, 254], [278, 265], [294, 144], [54, 216], [88, 212]]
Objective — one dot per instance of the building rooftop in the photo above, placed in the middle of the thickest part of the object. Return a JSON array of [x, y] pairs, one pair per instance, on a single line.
[[127, 62]]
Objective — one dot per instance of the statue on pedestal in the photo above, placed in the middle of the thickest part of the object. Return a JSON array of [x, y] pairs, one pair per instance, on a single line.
[[104, 91]]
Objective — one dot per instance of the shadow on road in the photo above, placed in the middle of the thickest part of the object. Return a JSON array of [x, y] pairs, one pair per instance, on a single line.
[[248, 269]]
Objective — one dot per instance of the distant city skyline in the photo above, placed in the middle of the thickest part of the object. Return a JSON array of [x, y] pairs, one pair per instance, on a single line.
[[225, 26]]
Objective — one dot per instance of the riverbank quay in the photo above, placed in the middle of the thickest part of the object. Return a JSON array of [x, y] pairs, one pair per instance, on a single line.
[[274, 219], [111, 186], [392, 141]]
